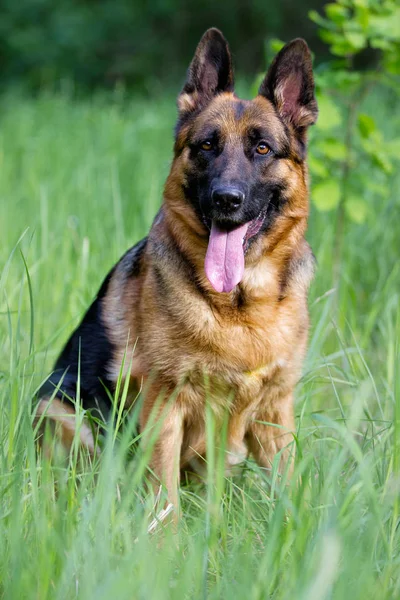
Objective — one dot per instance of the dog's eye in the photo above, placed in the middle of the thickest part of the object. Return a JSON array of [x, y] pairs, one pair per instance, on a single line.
[[207, 145], [262, 148]]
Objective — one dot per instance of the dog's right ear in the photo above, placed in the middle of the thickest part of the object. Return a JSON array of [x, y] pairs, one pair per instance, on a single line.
[[289, 85], [209, 74]]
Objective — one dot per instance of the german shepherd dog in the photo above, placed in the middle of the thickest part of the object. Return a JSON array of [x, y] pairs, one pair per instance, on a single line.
[[212, 305]]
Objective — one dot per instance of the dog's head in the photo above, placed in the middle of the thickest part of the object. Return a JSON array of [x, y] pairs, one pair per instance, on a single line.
[[239, 161]]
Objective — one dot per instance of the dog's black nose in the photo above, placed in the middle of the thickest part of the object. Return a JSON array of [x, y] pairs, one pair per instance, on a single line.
[[227, 199]]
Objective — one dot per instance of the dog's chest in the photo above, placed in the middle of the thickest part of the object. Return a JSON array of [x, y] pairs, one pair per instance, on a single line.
[[234, 352], [225, 390], [225, 356]]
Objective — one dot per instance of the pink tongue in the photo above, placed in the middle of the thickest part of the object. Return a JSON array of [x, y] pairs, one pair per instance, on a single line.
[[224, 265]]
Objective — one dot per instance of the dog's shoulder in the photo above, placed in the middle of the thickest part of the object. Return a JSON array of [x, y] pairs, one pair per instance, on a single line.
[[130, 264]]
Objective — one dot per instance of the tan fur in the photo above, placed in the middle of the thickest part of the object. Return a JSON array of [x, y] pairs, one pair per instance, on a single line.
[[64, 421], [187, 102]]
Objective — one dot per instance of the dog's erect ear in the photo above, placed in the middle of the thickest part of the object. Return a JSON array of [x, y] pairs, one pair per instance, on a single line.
[[289, 85], [210, 72]]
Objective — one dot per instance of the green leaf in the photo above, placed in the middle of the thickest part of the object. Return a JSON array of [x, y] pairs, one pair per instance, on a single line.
[[330, 37], [383, 162], [276, 45], [387, 26], [338, 14], [342, 48], [316, 18], [379, 151], [366, 125], [356, 209], [356, 39], [326, 195], [329, 115], [362, 15], [380, 44]]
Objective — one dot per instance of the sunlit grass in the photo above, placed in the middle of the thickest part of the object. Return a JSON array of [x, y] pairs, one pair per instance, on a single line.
[[79, 183]]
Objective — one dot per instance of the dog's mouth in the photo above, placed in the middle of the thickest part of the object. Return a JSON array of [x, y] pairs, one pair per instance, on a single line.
[[224, 264]]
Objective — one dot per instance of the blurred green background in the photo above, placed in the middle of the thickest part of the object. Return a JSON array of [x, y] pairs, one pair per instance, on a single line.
[[141, 44]]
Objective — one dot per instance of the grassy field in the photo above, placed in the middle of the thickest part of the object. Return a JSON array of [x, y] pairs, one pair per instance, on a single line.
[[79, 183]]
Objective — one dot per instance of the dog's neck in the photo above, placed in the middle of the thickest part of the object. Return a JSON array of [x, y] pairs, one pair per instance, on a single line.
[[266, 261]]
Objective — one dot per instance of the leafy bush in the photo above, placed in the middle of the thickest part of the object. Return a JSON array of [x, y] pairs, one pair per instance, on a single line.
[[351, 157], [349, 149]]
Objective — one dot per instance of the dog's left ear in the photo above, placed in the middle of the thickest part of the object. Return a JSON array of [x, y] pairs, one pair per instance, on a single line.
[[209, 74], [289, 85]]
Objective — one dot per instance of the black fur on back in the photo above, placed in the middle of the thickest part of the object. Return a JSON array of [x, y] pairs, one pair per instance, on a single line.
[[88, 351]]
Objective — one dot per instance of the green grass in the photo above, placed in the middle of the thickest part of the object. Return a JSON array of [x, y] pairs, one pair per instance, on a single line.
[[79, 183]]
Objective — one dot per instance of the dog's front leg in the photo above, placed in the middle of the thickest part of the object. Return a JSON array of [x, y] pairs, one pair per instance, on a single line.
[[271, 432], [164, 434]]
